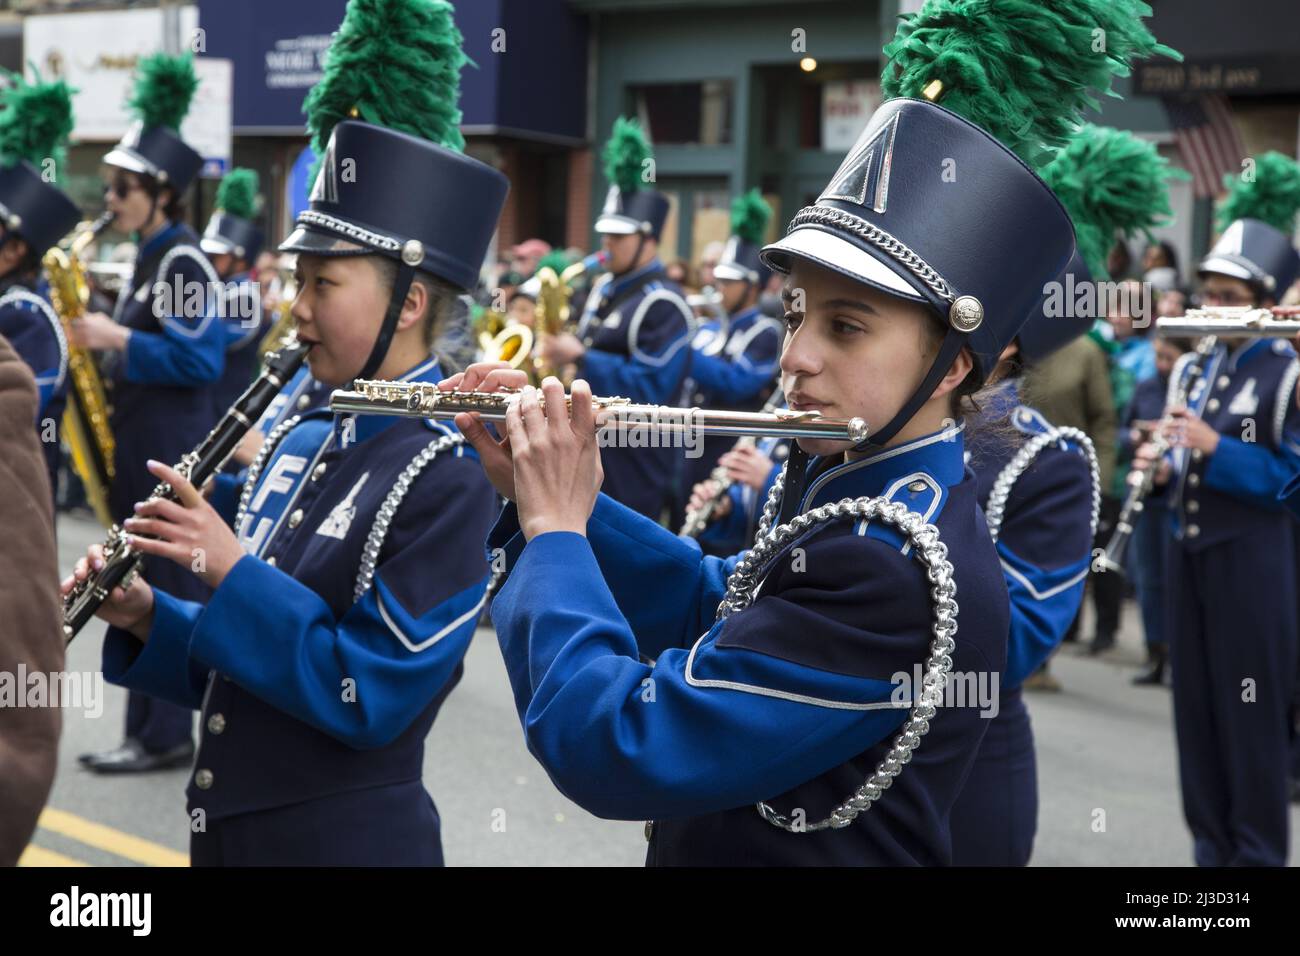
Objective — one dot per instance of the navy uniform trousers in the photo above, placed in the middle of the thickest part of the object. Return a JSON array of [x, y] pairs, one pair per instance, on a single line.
[[1232, 610], [161, 393], [1044, 540]]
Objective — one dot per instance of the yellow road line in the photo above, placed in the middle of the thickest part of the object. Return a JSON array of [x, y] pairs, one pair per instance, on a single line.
[[39, 856], [102, 837]]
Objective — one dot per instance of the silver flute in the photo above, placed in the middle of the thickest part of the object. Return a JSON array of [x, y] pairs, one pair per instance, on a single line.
[[1233, 323], [423, 400]]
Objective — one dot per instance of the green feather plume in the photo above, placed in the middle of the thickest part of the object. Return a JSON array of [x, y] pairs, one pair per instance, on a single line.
[[556, 259], [397, 64], [625, 154], [1020, 69], [237, 194], [36, 120], [1110, 182], [1272, 196], [164, 88], [749, 217]]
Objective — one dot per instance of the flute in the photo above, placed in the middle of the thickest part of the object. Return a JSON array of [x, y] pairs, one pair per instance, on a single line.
[[423, 400], [1233, 323]]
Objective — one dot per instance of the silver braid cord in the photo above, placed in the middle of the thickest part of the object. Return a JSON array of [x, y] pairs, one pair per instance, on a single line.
[[995, 510], [773, 503], [393, 500], [259, 462], [933, 555]]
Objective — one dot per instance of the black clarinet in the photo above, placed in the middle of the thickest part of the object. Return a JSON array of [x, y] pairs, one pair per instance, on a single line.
[[121, 562]]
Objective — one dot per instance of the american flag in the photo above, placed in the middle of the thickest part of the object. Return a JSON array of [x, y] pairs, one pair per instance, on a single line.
[[1207, 138]]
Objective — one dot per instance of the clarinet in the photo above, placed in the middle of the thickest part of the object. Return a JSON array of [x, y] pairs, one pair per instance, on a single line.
[[698, 519], [122, 563], [1180, 388]]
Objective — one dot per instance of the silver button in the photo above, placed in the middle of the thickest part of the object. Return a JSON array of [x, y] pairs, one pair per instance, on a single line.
[[271, 561], [304, 401], [917, 485], [295, 519], [1212, 405], [216, 723], [649, 830], [1193, 507], [1193, 479], [318, 471], [1223, 382], [1197, 454], [1193, 530], [203, 779]]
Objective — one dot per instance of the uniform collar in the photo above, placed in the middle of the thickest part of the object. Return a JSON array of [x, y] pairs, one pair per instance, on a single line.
[[368, 426], [745, 316], [939, 455], [618, 283], [155, 243], [1246, 351]]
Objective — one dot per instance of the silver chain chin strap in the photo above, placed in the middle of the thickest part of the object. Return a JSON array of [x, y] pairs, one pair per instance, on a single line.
[[259, 462], [995, 510], [384, 518], [933, 555]]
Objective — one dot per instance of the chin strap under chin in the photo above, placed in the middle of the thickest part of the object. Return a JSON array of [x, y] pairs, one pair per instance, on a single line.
[[796, 469], [401, 286]]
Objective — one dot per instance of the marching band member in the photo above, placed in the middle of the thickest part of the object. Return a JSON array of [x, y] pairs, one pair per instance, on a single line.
[[1231, 574], [166, 352], [791, 698], [634, 336], [752, 471], [348, 592], [232, 242], [1040, 485], [734, 361], [34, 216]]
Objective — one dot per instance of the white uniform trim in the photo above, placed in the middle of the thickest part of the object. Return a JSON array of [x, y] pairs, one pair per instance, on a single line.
[[23, 296], [948, 434], [742, 341], [172, 255], [901, 483], [1038, 595], [470, 615], [634, 327], [1282, 401]]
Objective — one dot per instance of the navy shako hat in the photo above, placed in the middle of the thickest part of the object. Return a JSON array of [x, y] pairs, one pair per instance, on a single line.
[[384, 192], [231, 235], [743, 262], [1257, 253], [1042, 333], [977, 250], [643, 211], [35, 210], [159, 152]]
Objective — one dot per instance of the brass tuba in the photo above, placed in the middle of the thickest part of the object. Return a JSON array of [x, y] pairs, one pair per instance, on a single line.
[[85, 421]]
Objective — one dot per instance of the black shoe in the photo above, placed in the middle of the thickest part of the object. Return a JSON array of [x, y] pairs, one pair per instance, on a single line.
[[131, 757], [1153, 676], [1101, 643], [95, 756]]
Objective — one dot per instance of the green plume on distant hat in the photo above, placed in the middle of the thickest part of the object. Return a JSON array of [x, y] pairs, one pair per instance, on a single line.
[[164, 89], [36, 120], [1020, 69], [237, 194], [393, 63], [556, 259], [750, 215], [1271, 194], [625, 154], [1110, 182]]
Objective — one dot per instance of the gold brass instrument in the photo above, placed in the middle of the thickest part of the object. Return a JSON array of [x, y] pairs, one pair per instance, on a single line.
[[513, 344], [424, 400], [697, 519], [1240, 322], [85, 422], [1180, 390], [284, 324], [554, 311]]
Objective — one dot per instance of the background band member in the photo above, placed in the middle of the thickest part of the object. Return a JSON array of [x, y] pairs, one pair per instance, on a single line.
[[233, 242], [635, 333], [791, 700], [34, 216], [1231, 576], [166, 352], [350, 588]]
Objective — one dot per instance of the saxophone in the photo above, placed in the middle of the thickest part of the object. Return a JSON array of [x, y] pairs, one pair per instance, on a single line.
[[554, 311], [121, 562], [85, 421]]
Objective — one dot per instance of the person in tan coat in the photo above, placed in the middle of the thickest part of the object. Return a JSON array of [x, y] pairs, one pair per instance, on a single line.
[[30, 609]]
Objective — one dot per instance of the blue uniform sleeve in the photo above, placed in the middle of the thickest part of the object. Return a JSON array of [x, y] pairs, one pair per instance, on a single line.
[[39, 343], [743, 378], [1045, 546], [161, 667], [363, 679], [1249, 471], [751, 710], [732, 529], [660, 357], [191, 348]]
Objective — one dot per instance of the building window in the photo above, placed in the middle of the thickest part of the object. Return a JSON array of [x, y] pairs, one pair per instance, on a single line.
[[686, 113]]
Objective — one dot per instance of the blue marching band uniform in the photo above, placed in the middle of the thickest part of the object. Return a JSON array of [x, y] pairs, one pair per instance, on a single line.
[[734, 532]]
